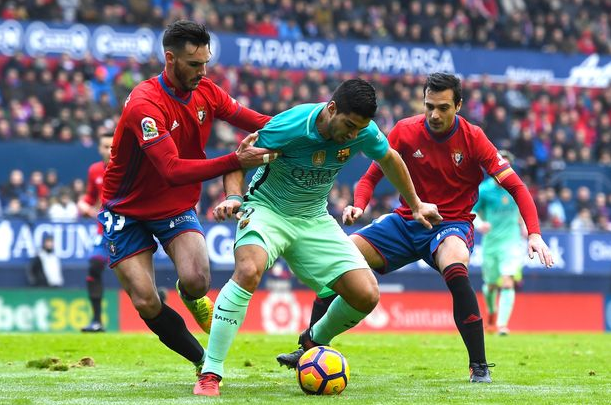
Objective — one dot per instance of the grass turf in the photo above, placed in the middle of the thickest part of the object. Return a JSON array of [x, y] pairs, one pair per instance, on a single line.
[[385, 369]]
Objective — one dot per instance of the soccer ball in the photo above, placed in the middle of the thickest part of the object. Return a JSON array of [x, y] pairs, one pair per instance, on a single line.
[[323, 370]]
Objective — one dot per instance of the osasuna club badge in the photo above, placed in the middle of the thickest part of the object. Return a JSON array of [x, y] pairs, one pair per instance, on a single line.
[[343, 155], [318, 158], [201, 114], [457, 158]]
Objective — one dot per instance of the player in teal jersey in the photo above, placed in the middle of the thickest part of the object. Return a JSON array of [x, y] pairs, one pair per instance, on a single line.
[[284, 213], [500, 223]]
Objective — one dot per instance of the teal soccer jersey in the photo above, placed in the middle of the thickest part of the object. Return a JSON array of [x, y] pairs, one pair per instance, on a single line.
[[497, 207], [298, 183]]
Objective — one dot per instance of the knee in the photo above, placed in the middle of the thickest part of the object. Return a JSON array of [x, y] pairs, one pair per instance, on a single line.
[[148, 306], [247, 275], [371, 297], [507, 283], [196, 283], [367, 298]]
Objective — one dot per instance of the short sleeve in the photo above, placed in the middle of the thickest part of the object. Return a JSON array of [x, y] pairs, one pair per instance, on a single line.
[[375, 144]]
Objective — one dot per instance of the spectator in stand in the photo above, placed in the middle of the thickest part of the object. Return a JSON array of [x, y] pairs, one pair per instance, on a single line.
[[63, 208], [15, 188], [583, 222], [555, 209], [45, 269], [569, 205]]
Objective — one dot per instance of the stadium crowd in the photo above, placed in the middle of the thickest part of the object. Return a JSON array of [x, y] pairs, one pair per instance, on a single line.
[[547, 127], [549, 26]]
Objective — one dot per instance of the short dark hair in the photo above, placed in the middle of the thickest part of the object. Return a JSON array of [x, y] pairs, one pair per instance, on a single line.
[[356, 96], [180, 32], [442, 81]]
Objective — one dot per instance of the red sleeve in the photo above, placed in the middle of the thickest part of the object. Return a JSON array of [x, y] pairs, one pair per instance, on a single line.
[[365, 186], [518, 190], [178, 172], [230, 110], [91, 193]]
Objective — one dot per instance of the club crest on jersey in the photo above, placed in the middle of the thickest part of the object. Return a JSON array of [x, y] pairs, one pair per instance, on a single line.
[[244, 223], [201, 115], [343, 155], [457, 158], [149, 128], [112, 248], [318, 158]]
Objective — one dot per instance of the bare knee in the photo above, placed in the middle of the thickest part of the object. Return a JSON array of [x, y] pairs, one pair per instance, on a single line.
[[148, 306], [370, 298], [196, 281], [247, 275], [507, 282], [366, 299]]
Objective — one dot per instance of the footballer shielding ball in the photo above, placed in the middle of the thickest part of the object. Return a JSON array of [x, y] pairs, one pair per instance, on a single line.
[[323, 370]]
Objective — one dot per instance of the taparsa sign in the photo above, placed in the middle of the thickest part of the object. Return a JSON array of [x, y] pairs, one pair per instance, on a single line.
[[392, 58]]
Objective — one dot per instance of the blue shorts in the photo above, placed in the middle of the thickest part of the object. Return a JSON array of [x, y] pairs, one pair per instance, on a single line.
[[99, 250], [400, 241], [126, 237]]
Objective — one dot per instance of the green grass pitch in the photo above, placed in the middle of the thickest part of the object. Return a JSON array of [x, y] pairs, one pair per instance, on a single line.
[[385, 369]]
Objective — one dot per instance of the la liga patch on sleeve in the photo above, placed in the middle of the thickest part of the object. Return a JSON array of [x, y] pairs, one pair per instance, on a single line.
[[149, 128]]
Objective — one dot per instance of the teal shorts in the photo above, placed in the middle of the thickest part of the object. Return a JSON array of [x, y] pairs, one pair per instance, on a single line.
[[506, 260], [317, 250]]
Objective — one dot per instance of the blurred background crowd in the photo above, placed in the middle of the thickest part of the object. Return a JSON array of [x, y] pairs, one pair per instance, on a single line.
[[546, 25], [546, 126]]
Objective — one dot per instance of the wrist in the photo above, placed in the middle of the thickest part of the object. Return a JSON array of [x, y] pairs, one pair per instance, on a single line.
[[235, 197]]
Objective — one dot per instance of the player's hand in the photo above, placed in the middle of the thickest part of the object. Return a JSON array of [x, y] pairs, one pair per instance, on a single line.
[[226, 210], [351, 214], [484, 228], [427, 214], [251, 156], [536, 244]]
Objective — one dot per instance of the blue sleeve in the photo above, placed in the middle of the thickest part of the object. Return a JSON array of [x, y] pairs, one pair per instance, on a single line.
[[375, 145]]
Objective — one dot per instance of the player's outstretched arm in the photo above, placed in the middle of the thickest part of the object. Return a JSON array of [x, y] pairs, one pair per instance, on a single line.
[[396, 171], [538, 245], [233, 183], [251, 156]]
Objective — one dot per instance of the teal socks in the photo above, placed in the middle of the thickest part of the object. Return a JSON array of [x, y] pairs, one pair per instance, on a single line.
[[339, 318], [229, 313], [506, 300]]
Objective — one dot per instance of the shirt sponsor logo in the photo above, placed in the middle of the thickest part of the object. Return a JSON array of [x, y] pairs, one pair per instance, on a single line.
[[318, 158], [310, 178], [343, 155], [149, 128]]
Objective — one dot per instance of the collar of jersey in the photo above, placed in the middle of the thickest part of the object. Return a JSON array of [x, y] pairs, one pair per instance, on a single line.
[[311, 122], [167, 89], [446, 137]]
